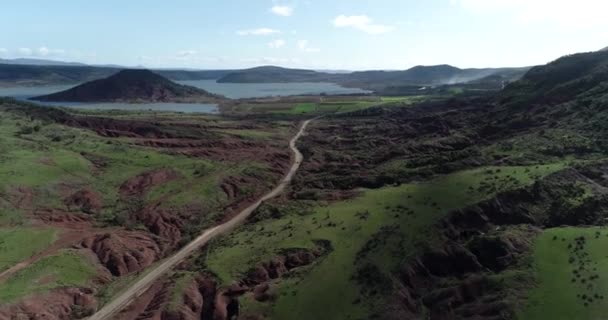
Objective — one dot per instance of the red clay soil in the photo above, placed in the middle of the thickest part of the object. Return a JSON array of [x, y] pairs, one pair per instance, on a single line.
[[21, 197], [164, 224], [59, 304], [191, 139], [124, 252], [85, 200], [62, 219], [108, 127], [198, 301], [142, 183], [203, 299]]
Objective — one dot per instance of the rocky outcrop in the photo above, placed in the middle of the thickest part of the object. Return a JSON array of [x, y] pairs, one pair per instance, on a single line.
[[85, 200], [142, 183], [498, 252], [280, 265], [454, 282], [124, 252], [190, 306], [59, 304], [203, 298]]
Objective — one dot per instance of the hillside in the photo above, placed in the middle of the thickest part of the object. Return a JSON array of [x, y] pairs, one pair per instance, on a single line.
[[271, 74], [134, 85], [458, 209], [561, 80]]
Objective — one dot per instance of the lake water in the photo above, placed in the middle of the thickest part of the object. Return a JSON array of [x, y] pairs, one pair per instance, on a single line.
[[230, 90], [259, 90]]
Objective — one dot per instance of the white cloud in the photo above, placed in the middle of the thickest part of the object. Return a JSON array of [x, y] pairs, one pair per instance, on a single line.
[[362, 23], [284, 11], [186, 53], [258, 32], [3, 51], [40, 52], [303, 45], [566, 13], [271, 60], [25, 51], [276, 44], [44, 51]]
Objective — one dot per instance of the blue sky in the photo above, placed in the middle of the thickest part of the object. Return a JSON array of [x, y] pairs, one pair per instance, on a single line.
[[320, 34]]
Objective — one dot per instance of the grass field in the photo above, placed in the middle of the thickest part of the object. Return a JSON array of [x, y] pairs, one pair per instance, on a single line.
[[369, 229], [18, 244], [572, 281], [349, 106], [65, 269]]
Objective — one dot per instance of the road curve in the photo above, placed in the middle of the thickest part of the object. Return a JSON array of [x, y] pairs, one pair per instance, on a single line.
[[144, 283]]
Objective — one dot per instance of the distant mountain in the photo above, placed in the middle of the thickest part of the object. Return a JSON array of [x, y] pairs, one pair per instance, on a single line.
[[272, 74], [39, 62], [19, 75], [605, 49], [133, 85], [419, 75], [180, 75], [29, 75], [332, 71]]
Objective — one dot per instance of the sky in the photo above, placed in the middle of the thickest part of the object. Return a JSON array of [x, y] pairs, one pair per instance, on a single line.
[[316, 34]]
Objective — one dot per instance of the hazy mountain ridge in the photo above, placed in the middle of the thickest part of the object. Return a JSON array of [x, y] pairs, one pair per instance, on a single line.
[[40, 62], [11, 74], [419, 75], [31, 75], [272, 74]]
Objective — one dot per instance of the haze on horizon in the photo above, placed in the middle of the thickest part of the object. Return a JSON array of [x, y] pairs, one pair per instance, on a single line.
[[341, 34]]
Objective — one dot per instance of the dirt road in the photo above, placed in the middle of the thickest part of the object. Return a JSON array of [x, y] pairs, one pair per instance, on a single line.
[[144, 283]]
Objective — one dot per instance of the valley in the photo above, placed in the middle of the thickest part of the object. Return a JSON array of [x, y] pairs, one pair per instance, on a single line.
[[445, 204]]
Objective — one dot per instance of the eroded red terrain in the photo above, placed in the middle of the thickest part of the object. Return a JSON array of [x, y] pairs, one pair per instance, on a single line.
[[123, 250], [203, 298]]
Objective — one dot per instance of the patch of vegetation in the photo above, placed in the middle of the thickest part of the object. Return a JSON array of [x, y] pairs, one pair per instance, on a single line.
[[571, 265], [65, 269], [18, 244]]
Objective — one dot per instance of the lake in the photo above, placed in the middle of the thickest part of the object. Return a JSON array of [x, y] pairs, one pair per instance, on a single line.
[[230, 90], [259, 90]]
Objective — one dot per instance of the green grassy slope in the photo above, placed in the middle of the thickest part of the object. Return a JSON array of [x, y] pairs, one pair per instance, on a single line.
[[571, 275], [18, 244], [65, 269], [369, 229]]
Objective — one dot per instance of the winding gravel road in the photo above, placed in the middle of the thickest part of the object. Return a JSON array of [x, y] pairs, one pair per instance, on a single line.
[[144, 283]]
